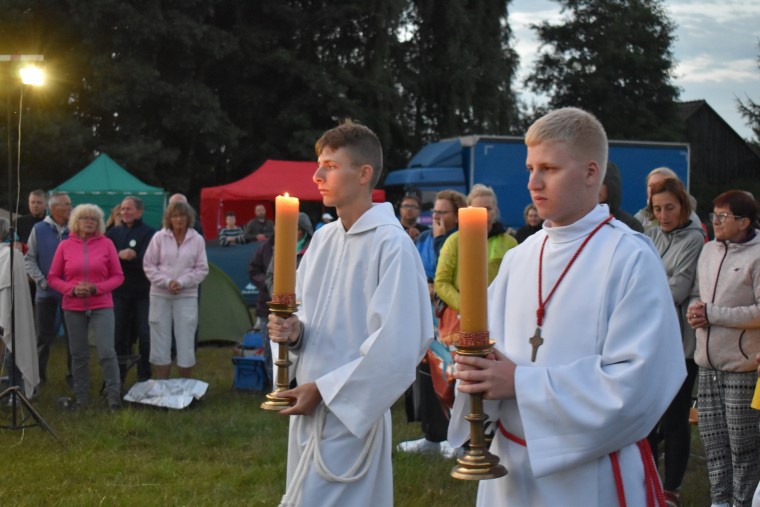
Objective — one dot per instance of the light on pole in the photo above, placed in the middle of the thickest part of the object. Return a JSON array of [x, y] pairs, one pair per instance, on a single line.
[[30, 75]]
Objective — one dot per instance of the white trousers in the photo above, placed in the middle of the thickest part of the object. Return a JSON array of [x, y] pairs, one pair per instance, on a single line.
[[182, 314]]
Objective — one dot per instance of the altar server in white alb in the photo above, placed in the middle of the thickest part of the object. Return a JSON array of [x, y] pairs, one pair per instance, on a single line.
[[362, 327], [587, 351]]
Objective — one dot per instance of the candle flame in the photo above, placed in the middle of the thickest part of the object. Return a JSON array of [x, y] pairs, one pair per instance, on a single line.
[[286, 195]]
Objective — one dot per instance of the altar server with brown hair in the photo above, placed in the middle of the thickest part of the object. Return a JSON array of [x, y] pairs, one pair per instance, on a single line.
[[363, 325]]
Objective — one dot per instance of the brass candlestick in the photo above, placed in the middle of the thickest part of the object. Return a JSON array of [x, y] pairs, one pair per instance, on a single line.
[[477, 463], [284, 307]]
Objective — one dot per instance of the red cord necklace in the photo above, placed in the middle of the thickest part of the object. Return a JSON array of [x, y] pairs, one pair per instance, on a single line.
[[536, 340]]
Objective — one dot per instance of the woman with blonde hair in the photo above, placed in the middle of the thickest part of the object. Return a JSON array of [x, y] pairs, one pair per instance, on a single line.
[[86, 270], [447, 289], [175, 263], [114, 218], [499, 243]]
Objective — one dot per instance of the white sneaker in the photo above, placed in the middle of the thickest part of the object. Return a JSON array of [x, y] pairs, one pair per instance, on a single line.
[[421, 445], [447, 451]]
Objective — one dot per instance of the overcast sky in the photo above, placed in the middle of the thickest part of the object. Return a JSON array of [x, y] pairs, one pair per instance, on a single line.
[[716, 49]]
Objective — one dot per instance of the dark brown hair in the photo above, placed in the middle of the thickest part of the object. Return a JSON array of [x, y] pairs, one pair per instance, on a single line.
[[676, 188], [740, 202]]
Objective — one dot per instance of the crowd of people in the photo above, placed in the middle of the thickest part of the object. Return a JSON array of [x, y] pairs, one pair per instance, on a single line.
[[602, 323], [124, 284]]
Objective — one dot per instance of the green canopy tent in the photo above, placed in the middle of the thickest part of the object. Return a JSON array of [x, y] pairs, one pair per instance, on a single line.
[[223, 314], [106, 183]]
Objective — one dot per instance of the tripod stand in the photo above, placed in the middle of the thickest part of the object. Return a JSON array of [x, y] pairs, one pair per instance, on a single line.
[[14, 393]]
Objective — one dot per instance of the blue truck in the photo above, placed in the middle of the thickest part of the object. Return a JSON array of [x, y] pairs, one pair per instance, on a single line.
[[499, 162]]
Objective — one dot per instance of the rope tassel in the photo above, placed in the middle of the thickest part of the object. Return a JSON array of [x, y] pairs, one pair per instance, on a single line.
[[312, 456]]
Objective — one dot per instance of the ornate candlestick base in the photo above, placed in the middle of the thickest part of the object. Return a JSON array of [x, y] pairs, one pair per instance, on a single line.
[[284, 307], [477, 463]]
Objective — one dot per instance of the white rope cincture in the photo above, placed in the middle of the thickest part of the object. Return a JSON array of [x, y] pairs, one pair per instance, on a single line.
[[292, 497]]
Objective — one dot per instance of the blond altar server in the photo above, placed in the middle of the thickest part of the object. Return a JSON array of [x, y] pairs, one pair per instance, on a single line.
[[363, 325], [587, 352]]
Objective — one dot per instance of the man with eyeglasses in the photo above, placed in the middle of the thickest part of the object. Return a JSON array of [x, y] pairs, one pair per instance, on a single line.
[[445, 223], [409, 213], [434, 421]]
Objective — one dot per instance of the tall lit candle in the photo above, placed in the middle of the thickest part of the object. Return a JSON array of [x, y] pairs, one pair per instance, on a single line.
[[473, 269], [285, 238]]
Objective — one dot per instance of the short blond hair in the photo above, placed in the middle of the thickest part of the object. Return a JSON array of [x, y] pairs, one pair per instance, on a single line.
[[581, 130], [86, 210], [480, 190], [665, 172]]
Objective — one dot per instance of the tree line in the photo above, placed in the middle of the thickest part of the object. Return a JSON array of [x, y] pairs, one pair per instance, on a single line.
[[192, 93]]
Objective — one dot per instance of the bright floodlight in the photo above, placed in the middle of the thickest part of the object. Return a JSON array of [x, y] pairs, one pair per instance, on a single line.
[[32, 75]]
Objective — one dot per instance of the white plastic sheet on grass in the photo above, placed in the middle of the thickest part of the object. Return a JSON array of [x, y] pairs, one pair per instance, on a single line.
[[175, 393]]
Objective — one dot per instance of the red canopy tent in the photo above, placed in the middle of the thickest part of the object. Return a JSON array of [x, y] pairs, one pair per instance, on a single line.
[[273, 178]]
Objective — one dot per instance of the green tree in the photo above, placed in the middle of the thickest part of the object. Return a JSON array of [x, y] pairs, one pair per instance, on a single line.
[[144, 91], [190, 93], [457, 68], [54, 142], [305, 64], [750, 110], [613, 58]]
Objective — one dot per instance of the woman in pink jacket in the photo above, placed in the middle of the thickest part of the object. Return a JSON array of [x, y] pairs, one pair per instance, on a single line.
[[86, 270], [175, 263]]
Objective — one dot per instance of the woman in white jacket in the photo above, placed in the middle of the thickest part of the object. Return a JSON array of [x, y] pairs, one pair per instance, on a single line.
[[175, 263], [726, 315]]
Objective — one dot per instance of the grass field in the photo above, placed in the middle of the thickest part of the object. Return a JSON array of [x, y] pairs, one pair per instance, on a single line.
[[222, 450]]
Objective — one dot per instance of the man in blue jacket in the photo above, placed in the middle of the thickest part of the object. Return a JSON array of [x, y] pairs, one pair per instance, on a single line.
[[43, 241]]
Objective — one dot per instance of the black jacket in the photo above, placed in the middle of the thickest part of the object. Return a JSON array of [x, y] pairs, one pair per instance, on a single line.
[[137, 238]]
